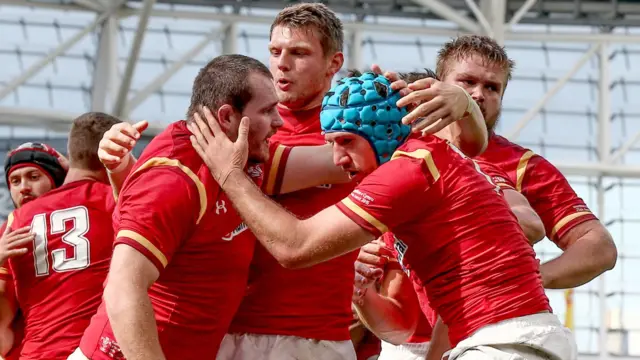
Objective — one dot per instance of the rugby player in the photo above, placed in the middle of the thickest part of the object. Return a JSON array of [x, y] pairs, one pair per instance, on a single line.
[[58, 281], [454, 232], [31, 170], [182, 253]]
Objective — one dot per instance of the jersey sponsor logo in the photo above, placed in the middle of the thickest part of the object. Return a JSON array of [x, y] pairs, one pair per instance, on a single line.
[[255, 171], [361, 197], [401, 248], [221, 206], [237, 231], [498, 179], [581, 208]]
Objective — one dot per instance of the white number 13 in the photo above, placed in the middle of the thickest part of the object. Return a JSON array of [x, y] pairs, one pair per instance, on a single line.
[[74, 237]]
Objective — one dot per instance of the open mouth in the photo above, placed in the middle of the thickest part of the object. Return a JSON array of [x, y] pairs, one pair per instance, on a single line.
[[284, 84]]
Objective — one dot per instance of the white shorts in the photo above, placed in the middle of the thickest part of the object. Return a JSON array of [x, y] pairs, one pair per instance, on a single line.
[[77, 355], [533, 337], [408, 351], [280, 347]]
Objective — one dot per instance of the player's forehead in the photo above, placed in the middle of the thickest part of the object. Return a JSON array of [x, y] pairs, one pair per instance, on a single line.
[[25, 171], [284, 36], [478, 67], [332, 137], [263, 91]]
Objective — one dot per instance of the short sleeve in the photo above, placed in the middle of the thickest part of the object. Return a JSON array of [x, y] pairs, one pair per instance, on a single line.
[[274, 168], [395, 193], [553, 199], [497, 175], [157, 211]]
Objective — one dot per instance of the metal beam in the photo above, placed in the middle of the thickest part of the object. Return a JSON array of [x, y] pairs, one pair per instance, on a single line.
[[132, 61], [447, 12], [355, 51], [598, 169], [62, 48], [495, 12], [526, 118], [52, 120], [604, 150], [46, 5], [522, 11], [624, 149], [91, 5], [230, 39], [540, 36], [105, 73], [480, 17], [161, 79]]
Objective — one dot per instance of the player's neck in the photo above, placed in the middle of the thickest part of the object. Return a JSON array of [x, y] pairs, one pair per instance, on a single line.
[[75, 174]]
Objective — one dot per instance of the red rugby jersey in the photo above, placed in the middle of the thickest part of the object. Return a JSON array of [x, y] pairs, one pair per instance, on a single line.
[[547, 190], [172, 210], [18, 322], [314, 302], [58, 282], [454, 233]]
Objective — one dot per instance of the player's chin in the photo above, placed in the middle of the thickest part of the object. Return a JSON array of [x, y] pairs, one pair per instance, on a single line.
[[260, 155]]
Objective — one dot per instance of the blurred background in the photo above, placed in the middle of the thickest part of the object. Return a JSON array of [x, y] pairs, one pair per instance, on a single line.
[[572, 98]]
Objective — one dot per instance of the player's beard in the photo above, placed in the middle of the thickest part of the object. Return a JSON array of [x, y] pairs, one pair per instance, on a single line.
[[492, 122]]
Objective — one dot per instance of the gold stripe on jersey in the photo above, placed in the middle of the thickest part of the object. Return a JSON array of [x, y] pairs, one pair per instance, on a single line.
[[10, 219], [505, 186], [273, 170], [202, 191], [4, 270], [365, 215], [144, 242], [522, 168], [423, 154], [565, 220]]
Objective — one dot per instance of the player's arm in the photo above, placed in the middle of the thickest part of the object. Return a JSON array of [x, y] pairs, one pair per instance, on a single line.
[[300, 167], [8, 309], [588, 248], [152, 223], [439, 343], [114, 151], [527, 217], [449, 112], [392, 312]]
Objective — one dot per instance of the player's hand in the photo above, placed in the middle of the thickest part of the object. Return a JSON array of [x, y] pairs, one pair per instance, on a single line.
[[374, 254], [116, 144], [13, 243], [64, 162], [438, 105], [396, 83], [221, 155], [365, 280]]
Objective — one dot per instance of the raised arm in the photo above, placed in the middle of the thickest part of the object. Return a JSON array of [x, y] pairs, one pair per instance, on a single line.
[[447, 111], [115, 149]]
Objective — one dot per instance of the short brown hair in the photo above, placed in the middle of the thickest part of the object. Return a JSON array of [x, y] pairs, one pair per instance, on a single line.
[[468, 45], [224, 81], [413, 76], [84, 138], [317, 16]]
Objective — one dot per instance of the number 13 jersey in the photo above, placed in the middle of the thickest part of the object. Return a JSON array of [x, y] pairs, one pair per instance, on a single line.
[[59, 281]]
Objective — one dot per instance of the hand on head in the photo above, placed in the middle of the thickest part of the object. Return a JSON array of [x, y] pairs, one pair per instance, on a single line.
[[221, 155]]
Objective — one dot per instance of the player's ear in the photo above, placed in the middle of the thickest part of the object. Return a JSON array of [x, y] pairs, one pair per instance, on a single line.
[[227, 117], [335, 63]]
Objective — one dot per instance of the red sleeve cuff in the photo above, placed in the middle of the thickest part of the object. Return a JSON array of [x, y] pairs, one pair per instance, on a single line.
[[275, 171], [144, 246], [567, 223], [361, 217]]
